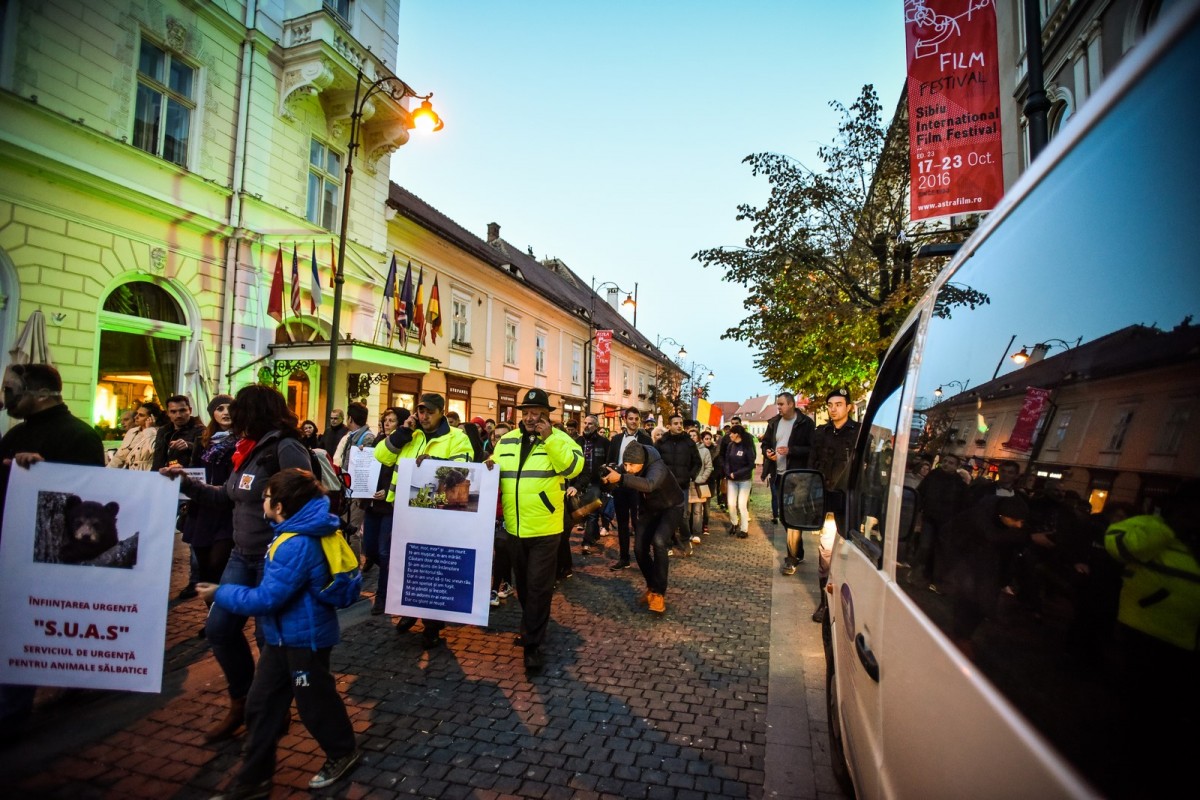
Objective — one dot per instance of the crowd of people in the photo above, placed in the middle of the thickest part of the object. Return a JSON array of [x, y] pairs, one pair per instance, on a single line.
[[252, 476]]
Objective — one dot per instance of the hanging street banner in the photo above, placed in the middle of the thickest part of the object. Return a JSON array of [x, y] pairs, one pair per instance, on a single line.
[[1027, 419], [600, 382], [86, 559], [953, 107]]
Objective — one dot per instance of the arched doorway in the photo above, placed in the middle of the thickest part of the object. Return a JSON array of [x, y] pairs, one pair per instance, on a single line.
[[297, 385], [142, 329]]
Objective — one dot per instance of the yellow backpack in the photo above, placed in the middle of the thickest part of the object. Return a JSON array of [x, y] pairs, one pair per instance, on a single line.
[[345, 585]]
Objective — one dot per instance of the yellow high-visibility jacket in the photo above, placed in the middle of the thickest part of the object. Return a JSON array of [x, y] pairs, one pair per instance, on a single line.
[[1160, 589], [533, 493], [447, 443]]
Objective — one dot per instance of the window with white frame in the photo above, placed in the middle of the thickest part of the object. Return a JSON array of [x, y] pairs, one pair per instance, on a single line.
[[641, 384], [625, 378], [1060, 430], [339, 8], [539, 351], [165, 103], [511, 329], [1120, 427], [460, 319], [576, 363], [324, 182]]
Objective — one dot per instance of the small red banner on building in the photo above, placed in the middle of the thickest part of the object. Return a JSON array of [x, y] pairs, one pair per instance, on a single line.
[[953, 107], [1027, 419], [603, 348]]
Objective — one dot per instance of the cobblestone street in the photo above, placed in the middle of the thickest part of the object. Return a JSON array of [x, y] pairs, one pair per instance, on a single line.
[[721, 697]]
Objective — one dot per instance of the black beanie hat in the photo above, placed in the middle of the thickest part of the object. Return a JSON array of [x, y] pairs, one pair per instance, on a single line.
[[634, 454]]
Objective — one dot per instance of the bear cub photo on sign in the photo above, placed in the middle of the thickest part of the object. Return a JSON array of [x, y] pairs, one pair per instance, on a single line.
[[72, 530]]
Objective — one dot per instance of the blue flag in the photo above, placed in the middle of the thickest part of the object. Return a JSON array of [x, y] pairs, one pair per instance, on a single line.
[[389, 292]]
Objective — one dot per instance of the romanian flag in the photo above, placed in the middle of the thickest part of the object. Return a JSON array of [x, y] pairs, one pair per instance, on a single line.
[[703, 411], [275, 301], [389, 296], [435, 313], [419, 309]]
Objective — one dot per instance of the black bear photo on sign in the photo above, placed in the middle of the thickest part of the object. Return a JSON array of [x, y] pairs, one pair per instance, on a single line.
[[72, 530]]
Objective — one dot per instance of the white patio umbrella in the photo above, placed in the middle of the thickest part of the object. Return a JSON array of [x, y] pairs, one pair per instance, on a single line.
[[196, 381], [31, 346]]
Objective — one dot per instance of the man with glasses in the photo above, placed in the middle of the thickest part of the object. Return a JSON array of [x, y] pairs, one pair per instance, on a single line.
[[334, 433]]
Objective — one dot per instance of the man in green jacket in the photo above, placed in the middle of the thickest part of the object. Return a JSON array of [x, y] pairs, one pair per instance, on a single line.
[[536, 461], [426, 434]]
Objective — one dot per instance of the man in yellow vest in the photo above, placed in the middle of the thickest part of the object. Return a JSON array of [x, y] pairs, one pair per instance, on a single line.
[[536, 461], [426, 434]]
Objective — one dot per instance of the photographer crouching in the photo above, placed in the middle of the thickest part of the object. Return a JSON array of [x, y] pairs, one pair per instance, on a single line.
[[659, 514]]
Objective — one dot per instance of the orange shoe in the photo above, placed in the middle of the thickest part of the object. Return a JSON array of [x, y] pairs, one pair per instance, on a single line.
[[657, 603]]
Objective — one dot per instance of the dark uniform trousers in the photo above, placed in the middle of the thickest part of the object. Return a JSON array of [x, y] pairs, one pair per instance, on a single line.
[[535, 560]]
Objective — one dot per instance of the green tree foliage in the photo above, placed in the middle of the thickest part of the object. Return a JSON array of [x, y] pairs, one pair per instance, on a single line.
[[828, 265]]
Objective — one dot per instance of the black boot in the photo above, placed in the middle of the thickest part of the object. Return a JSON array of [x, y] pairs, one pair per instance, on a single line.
[[823, 606]]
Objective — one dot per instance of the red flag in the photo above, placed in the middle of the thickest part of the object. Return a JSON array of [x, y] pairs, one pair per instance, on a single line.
[[419, 309], [275, 299], [435, 312], [295, 283], [600, 378]]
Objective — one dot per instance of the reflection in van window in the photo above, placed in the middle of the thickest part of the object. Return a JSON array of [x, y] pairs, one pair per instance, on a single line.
[[1056, 533]]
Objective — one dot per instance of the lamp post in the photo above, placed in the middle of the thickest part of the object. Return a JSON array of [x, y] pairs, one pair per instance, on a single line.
[[695, 401], [962, 387], [659, 341], [397, 90], [1023, 356], [630, 300]]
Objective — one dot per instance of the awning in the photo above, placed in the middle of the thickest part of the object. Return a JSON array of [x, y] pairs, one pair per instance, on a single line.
[[355, 357]]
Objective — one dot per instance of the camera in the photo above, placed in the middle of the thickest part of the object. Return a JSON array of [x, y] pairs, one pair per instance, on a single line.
[[613, 467]]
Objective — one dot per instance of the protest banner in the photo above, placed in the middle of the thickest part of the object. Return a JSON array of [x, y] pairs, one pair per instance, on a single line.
[[86, 577], [442, 534], [364, 472]]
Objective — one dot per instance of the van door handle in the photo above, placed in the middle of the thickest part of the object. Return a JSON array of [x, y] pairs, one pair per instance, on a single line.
[[866, 657]]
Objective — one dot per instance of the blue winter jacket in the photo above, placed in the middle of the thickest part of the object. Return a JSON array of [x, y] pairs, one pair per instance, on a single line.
[[284, 604]]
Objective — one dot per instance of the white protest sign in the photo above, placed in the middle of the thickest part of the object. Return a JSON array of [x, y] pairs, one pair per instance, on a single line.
[[444, 526], [86, 560], [364, 472], [195, 473]]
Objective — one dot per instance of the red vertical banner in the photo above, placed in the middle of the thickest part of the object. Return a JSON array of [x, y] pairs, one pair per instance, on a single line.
[[1027, 419], [954, 148], [600, 383]]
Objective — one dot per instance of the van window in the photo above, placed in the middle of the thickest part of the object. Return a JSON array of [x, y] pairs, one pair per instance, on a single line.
[[1093, 280], [869, 502]]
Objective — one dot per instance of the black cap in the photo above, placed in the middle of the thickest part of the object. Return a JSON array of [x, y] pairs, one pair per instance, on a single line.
[[536, 398], [842, 393], [634, 454], [432, 401]]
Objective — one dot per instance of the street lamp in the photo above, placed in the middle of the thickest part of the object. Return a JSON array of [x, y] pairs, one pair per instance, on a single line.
[[630, 301], [1023, 356], [426, 118], [659, 341], [962, 387]]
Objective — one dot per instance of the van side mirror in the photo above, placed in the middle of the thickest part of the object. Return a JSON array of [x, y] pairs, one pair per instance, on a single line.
[[802, 499]]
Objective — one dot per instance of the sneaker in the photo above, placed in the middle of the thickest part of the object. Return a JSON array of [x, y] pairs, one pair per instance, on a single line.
[[774, 520], [334, 769], [504, 590], [732, 528], [495, 599], [743, 534], [789, 567], [617, 565], [671, 551], [657, 603], [695, 540], [585, 550]]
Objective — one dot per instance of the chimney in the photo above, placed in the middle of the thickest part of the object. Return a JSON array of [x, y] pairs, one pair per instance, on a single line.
[[493, 231]]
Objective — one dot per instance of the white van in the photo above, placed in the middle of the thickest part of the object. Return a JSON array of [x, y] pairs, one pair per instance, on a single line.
[[969, 658]]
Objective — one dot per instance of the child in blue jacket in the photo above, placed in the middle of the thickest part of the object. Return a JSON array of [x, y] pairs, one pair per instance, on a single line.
[[299, 632]]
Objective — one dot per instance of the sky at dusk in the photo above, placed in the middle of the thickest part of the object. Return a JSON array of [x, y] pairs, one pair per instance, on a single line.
[[611, 135]]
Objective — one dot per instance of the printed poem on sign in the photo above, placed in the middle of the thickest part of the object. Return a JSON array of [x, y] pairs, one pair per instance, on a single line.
[[438, 577]]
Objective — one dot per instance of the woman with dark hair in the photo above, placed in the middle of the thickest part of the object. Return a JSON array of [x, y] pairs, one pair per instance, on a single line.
[[266, 442], [208, 528], [474, 435], [137, 450], [739, 474], [309, 436], [377, 518]]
